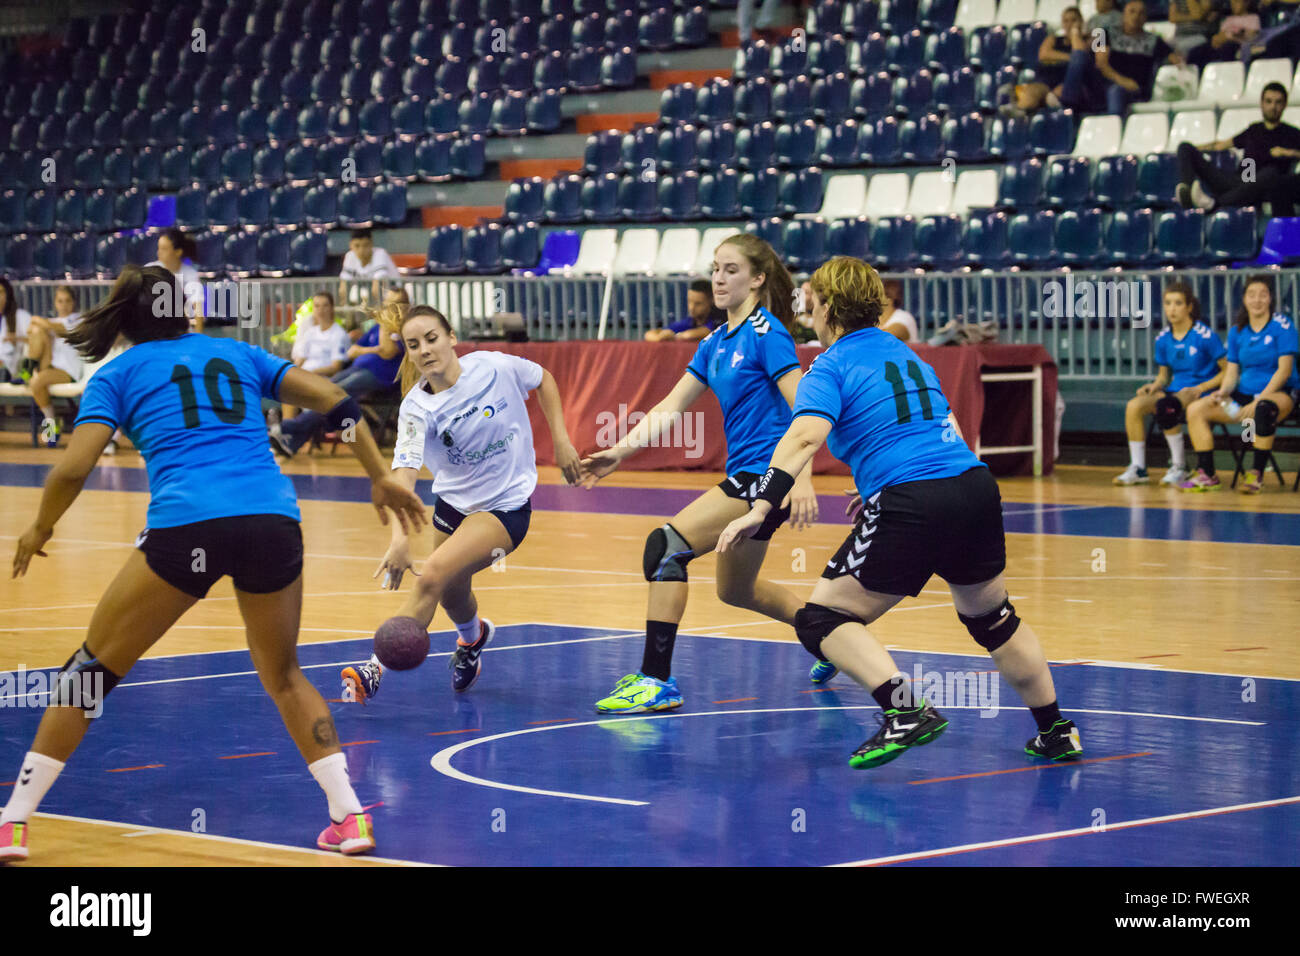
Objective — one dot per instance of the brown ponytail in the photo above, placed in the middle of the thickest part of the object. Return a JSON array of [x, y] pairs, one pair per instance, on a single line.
[[142, 306]]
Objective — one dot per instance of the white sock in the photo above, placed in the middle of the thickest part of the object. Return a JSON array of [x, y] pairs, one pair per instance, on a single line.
[[1177, 456], [1137, 453], [469, 631], [332, 774], [47, 412], [34, 780], [374, 659]]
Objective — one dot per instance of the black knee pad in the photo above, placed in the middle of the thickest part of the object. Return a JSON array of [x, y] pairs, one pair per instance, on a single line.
[[1266, 414], [666, 555], [1169, 412], [993, 629], [83, 682], [812, 624]]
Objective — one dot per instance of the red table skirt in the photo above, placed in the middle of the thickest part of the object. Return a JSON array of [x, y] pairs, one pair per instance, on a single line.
[[601, 383]]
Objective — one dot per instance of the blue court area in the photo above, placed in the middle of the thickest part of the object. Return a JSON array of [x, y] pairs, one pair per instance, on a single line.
[[752, 771]]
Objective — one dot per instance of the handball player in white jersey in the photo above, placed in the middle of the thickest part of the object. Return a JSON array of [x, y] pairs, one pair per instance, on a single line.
[[466, 420]]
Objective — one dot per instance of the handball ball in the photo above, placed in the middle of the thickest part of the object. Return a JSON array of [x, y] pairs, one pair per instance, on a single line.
[[401, 643]]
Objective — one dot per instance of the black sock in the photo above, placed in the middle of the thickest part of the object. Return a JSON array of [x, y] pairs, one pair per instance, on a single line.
[[1261, 461], [657, 661], [1205, 462], [895, 694], [1046, 716]]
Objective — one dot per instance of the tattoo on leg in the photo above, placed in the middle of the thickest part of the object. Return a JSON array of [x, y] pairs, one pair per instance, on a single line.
[[323, 732]]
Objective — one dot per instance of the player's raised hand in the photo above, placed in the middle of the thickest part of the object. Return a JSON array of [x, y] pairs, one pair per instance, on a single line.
[[570, 462], [854, 508], [29, 544], [409, 509], [395, 563], [599, 464], [742, 527]]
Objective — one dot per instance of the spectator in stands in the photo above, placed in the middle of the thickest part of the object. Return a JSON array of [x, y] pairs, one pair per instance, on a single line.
[[174, 247], [701, 317], [1194, 22], [1280, 40], [1082, 88], [13, 332], [899, 323], [1261, 384], [1240, 28], [55, 361], [364, 260], [373, 366], [1190, 360], [1271, 148], [322, 346], [1054, 53], [1129, 59], [1106, 18], [804, 331], [745, 20]]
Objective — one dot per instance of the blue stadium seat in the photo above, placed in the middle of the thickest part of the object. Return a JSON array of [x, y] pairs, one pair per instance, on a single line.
[[1023, 42], [387, 83], [789, 59], [893, 241], [905, 52], [1051, 132], [955, 92], [756, 145], [239, 250], [442, 114], [355, 86], [288, 205], [330, 159], [938, 241], [800, 190], [986, 49], [618, 69], [900, 15], [375, 120], [273, 253], [1009, 138], [458, 41], [110, 257], [720, 194], [824, 19], [559, 251], [1114, 180], [251, 125], [715, 146], [1022, 184], [519, 246], [962, 138], [1230, 234], [517, 72], [254, 206], [20, 255], [1157, 179], [805, 244], [914, 92], [984, 240], [355, 206], [638, 198], [758, 192], [599, 199], [556, 32], [677, 103], [524, 199], [1127, 237], [691, 27], [1069, 180], [639, 149], [937, 14], [307, 251], [831, 97], [1180, 236], [433, 159], [771, 230], [321, 205], [98, 210], [679, 195], [189, 207], [676, 148], [408, 118], [342, 124], [388, 204], [837, 144], [860, 17], [621, 30], [602, 151], [476, 112], [562, 198], [205, 164], [878, 142], [716, 101], [1030, 237], [542, 112], [1078, 237], [69, 211], [849, 237], [828, 56], [584, 70], [107, 130], [395, 47], [522, 34], [146, 168], [79, 132], [452, 77], [752, 61], [550, 70], [796, 143], [88, 168], [754, 101], [655, 30], [38, 210], [209, 257], [446, 253], [919, 139], [312, 120], [468, 157], [48, 258], [872, 97]]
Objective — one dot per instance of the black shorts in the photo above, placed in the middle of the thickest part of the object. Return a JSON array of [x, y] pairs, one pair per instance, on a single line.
[[1242, 399], [744, 485], [261, 553], [447, 519], [951, 527]]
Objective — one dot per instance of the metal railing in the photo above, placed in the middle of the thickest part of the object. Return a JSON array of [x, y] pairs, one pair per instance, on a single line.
[[1112, 339]]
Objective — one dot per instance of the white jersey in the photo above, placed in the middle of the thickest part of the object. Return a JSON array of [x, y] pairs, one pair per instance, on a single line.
[[320, 348], [64, 355], [475, 436], [13, 346]]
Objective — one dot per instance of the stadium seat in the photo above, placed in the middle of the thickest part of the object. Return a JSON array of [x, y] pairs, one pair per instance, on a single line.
[[221, 208], [599, 198], [792, 99], [984, 240], [848, 237], [519, 246], [468, 157], [975, 189], [97, 210], [905, 51], [878, 143], [254, 206], [446, 251], [837, 144], [1051, 132], [860, 17], [1078, 236], [828, 55], [321, 205], [602, 152], [962, 138], [1127, 238], [796, 143], [937, 241], [129, 209], [751, 61], [755, 146], [618, 69], [679, 195], [562, 198], [354, 207], [831, 97], [583, 70], [482, 244], [887, 195], [1192, 126], [1145, 133], [1068, 182], [1030, 237], [789, 59], [307, 251], [542, 112], [1180, 236], [1009, 138], [954, 92], [637, 251], [1222, 84], [986, 49], [804, 241], [677, 103], [1022, 184], [1233, 121], [899, 15], [524, 199], [800, 190], [869, 55], [638, 198], [872, 97], [945, 51], [759, 192], [239, 251], [1115, 180], [720, 194], [273, 253], [1261, 73], [892, 241], [914, 92], [110, 257], [678, 250], [754, 101], [1098, 136], [442, 114], [47, 260], [715, 146], [596, 252], [1230, 234], [919, 139], [559, 252], [69, 211], [676, 148], [771, 230], [844, 197], [930, 195]]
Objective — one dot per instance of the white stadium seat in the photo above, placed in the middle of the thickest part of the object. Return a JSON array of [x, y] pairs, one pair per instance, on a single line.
[[678, 250], [931, 194], [1262, 73], [1191, 126], [886, 195], [845, 195], [708, 244], [637, 250], [1011, 12], [596, 254], [1233, 122], [1145, 133], [976, 13], [1162, 28], [975, 188], [1221, 83], [1098, 136], [1049, 11]]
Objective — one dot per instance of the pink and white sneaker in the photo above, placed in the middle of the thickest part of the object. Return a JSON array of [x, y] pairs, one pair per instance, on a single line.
[[13, 842], [356, 834], [1252, 483], [1202, 482]]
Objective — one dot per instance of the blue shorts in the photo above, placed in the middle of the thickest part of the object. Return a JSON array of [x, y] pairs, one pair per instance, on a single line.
[[447, 519]]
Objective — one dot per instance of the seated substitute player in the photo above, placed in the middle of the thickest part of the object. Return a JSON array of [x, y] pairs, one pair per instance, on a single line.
[[929, 507], [190, 404], [1261, 384], [1190, 360], [750, 364], [466, 419]]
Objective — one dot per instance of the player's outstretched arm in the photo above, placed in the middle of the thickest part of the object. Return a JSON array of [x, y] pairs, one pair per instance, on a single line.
[[683, 396], [804, 509], [397, 559], [566, 456], [62, 486]]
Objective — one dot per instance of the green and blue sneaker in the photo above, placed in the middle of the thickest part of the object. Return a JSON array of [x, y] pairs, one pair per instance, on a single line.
[[1062, 742], [822, 672], [899, 729], [639, 694]]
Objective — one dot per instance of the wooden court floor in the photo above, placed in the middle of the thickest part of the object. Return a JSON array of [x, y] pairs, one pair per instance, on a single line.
[[1186, 605]]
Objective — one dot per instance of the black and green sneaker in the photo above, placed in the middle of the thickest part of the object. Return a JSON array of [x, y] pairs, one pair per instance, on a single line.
[[1060, 743], [899, 729]]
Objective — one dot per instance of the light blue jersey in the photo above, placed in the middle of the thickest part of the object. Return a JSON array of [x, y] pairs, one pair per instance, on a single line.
[[192, 407], [742, 366], [1191, 360], [1258, 353], [888, 411]]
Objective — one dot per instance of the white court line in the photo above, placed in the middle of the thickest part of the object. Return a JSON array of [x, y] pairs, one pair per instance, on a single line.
[[1079, 831], [222, 839], [441, 761]]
